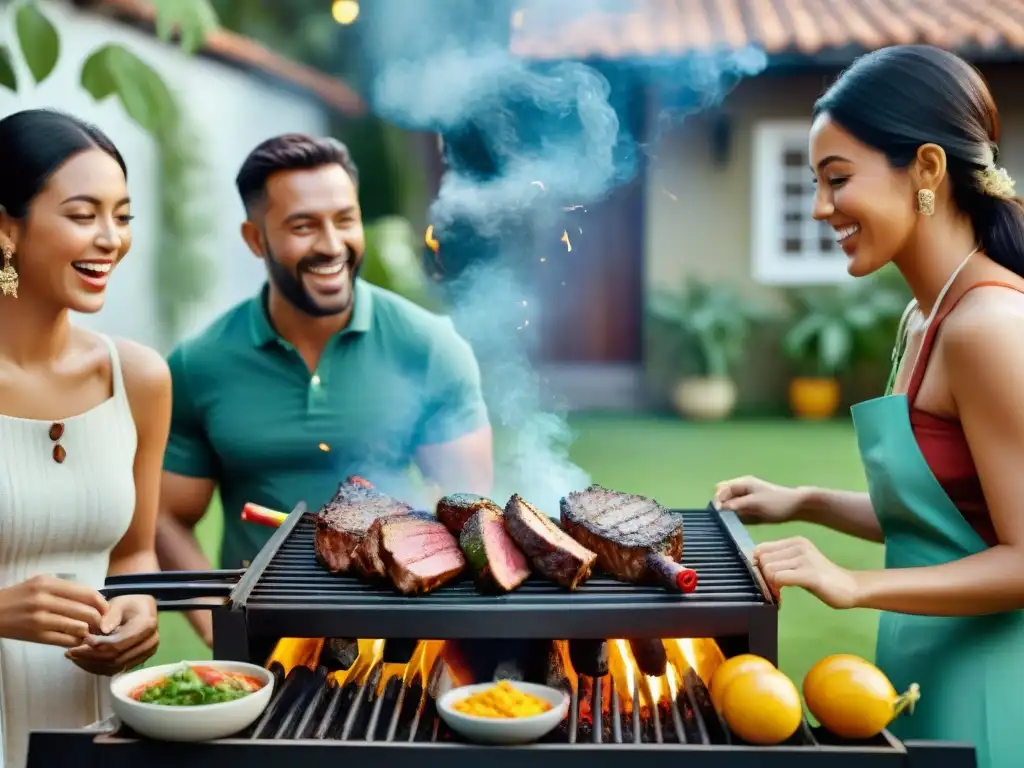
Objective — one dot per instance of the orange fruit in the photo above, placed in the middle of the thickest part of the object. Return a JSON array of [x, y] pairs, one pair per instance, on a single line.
[[731, 669], [853, 698], [762, 707]]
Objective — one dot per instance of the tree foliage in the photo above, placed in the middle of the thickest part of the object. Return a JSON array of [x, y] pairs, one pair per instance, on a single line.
[[111, 70]]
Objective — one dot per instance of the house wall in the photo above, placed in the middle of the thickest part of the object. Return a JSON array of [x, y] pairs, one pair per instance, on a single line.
[[232, 110], [699, 217]]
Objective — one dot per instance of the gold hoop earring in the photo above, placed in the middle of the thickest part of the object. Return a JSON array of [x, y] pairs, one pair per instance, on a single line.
[[8, 275], [925, 202]]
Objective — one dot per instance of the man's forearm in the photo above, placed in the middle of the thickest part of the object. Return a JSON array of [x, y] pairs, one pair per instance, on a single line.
[[178, 549], [844, 511]]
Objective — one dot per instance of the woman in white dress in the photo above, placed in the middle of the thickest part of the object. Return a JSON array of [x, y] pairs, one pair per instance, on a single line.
[[83, 426]]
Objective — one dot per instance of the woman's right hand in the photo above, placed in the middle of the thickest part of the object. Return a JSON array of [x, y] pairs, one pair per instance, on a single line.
[[52, 611], [757, 501]]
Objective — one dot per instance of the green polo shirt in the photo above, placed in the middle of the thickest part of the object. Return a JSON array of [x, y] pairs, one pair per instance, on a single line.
[[249, 414]]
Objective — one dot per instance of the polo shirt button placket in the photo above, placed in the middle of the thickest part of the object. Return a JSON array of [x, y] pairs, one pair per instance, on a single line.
[[317, 392]]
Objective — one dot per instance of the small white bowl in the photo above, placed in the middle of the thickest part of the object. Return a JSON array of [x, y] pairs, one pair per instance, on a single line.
[[504, 731], [199, 723]]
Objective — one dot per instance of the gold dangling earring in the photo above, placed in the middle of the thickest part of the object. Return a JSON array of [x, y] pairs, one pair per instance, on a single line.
[[8, 275], [925, 202]]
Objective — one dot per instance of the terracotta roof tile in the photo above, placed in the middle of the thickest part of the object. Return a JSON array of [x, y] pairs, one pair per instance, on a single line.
[[644, 28], [246, 52]]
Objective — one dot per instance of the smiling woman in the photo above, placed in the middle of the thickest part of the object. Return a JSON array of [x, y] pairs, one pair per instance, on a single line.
[[904, 149], [83, 428]]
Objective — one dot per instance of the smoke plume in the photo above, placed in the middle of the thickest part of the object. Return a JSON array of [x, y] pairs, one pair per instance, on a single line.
[[523, 141]]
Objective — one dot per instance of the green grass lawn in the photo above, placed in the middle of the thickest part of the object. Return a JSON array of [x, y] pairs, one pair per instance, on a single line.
[[678, 463]]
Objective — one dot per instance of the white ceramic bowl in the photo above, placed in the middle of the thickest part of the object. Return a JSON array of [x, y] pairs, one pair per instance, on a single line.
[[199, 723], [505, 731]]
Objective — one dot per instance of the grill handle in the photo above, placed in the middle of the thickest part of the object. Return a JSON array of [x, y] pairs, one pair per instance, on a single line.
[[175, 577], [166, 591]]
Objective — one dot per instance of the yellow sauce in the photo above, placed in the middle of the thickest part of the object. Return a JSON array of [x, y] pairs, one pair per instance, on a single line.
[[504, 700]]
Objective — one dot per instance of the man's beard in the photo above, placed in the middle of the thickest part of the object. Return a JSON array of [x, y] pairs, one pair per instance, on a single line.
[[291, 288]]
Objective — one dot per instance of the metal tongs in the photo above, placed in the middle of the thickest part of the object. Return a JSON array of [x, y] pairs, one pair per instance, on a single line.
[[177, 590]]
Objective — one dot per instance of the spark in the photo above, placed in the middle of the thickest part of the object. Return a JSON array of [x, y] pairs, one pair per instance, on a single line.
[[523, 302], [565, 239], [539, 184], [580, 229], [432, 244], [575, 208], [542, 259], [673, 197]]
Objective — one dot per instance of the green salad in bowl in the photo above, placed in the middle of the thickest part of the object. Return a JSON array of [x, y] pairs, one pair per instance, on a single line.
[[196, 685]]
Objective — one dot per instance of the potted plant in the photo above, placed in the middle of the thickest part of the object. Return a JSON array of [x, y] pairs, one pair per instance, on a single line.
[[831, 328], [711, 321]]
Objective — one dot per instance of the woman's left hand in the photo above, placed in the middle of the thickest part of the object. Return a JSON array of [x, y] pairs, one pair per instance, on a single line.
[[796, 562], [132, 626]]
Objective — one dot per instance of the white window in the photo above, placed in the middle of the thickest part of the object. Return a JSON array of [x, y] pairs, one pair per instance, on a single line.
[[788, 246]]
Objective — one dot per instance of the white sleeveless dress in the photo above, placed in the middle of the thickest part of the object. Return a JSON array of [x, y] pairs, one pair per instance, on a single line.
[[60, 519]]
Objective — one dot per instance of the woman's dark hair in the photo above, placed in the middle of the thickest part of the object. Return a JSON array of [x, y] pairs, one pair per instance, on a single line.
[[896, 99], [34, 144]]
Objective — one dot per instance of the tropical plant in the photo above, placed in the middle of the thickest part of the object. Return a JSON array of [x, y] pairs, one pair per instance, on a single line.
[[710, 318], [835, 326]]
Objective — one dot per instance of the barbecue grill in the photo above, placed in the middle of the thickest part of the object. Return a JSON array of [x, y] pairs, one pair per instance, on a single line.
[[280, 609]]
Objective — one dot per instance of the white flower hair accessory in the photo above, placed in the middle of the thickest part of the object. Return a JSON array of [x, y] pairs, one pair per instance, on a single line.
[[996, 182]]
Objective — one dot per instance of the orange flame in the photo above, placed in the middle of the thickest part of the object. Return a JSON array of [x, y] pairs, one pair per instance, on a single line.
[[565, 239]]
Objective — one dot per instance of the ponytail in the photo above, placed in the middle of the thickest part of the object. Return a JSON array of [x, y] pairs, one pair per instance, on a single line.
[[999, 223]]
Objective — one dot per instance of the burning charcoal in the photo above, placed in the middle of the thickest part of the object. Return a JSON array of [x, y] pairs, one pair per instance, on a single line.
[[407, 713], [293, 686], [399, 650], [589, 657], [362, 708], [312, 685], [698, 692], [556, 675], [339, 653], [650, 656], [384, 707]]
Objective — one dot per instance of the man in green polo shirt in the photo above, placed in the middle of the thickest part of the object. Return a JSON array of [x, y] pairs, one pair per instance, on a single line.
[[319, 376]]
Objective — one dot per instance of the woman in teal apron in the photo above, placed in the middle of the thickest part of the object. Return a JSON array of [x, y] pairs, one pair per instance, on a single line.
[[903, 148]]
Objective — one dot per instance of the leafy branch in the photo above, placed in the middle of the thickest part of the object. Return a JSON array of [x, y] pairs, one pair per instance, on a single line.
[[112, 70]]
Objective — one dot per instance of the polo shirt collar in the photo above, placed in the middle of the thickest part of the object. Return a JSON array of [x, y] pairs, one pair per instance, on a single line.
[[263, 332]]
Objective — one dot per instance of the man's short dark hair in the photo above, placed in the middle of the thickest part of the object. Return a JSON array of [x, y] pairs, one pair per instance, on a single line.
[[289, 152]]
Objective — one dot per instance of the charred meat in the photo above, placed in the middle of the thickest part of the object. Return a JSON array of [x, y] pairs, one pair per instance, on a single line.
[[498, 564], [549, 549], [346, 518], [456, 509], [635, 538], [419, 555], [366, 559]]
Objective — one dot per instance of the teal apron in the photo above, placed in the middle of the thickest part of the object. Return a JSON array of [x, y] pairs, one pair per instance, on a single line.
[[970, 669]]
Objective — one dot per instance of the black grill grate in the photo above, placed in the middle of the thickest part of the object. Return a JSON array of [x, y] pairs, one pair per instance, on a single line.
[[292, 595]]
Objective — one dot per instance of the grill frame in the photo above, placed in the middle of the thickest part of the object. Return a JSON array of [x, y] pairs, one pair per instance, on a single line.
[[749, 621]]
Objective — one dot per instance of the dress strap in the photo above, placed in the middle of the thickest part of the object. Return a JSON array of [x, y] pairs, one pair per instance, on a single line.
[[921, 364], [115, 367]]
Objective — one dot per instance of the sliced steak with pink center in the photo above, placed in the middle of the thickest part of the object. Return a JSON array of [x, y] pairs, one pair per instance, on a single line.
[[498, 564], [549, 549], [366, 559], [419, 555], [345, 520]]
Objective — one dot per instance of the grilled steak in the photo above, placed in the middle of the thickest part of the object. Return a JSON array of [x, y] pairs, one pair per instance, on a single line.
[[366, 559], [498, 564], [346, 518], [419, 555], [635, 538], [550, 550], [456, 509]]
